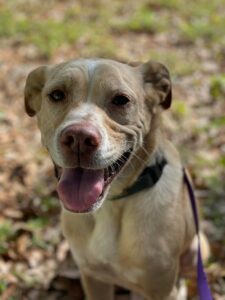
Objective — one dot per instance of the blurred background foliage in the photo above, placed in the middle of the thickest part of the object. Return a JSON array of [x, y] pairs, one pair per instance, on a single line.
[[47, 28], [188, 37]]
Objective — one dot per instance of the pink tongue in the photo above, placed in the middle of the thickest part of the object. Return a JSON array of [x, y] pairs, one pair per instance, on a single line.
[[79, 189]]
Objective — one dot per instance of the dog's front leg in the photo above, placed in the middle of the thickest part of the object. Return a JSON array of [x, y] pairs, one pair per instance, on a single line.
[[95, 289]]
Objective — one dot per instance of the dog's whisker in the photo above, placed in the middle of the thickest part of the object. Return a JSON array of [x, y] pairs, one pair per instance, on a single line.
[[144, 150], [140, 159]]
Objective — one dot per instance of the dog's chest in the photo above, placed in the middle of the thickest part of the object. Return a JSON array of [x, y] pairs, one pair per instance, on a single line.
[[107, 263], [119, 241], [101, 251]]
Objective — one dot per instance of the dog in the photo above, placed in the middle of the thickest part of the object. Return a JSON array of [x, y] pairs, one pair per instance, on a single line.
[[126, 213]]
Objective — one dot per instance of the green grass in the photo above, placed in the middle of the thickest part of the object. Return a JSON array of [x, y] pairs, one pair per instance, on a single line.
[[197, 20], [217, 87], [179, 63], [48, 204], [6, 233], [3, 286], [214, 201], [142, 20], [47, 35], [221, 161], [37, 227], [180, 109], [208, 28], [168, 4], [202, 19], [50, 34], [93, 24], [37, 224], [218, 122]]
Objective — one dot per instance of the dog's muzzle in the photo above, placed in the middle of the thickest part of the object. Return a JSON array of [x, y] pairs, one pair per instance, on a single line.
[[82, 189]]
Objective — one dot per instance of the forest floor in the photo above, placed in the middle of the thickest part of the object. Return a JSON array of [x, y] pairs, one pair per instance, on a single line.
[[35, 262]]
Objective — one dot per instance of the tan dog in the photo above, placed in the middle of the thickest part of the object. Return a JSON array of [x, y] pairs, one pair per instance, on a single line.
[[101, 122]]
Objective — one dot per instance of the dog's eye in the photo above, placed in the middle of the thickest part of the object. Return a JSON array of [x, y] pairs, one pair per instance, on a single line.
[[120, 100], [57, 96]]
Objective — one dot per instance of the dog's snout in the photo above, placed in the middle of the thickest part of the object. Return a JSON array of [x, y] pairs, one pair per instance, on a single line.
[[82, 138]]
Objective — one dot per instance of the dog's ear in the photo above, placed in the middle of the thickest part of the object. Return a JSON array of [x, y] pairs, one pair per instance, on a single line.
[[32, 93], [157, 83]]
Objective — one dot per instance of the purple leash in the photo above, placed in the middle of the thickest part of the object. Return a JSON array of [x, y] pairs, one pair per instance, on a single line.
[[203, 287]]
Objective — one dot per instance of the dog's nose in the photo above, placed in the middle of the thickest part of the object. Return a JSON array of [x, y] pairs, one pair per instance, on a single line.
[[80, 138]]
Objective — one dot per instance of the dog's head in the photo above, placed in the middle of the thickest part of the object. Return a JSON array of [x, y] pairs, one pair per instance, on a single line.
[[93, 116]]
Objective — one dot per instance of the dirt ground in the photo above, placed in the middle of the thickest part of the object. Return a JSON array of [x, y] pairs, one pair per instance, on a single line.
[[35, 261]]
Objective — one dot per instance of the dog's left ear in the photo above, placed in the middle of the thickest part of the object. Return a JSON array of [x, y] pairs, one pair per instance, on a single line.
[[157, 83]]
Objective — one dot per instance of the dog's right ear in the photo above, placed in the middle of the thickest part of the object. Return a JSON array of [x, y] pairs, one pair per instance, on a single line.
[[32, 93]]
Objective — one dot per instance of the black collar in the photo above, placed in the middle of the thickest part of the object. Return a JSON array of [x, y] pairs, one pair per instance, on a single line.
[[148, 178]]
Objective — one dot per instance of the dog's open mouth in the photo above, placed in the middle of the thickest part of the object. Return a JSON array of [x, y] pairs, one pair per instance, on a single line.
[[81, 190]]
